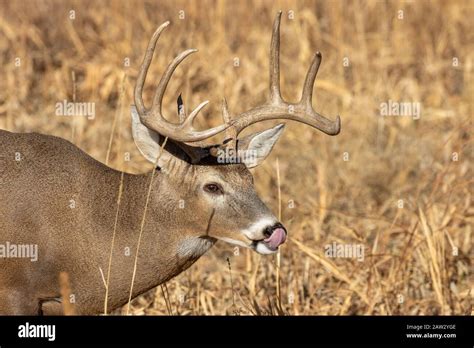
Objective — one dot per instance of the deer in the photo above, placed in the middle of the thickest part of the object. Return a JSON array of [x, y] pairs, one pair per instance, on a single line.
[[41, 174]]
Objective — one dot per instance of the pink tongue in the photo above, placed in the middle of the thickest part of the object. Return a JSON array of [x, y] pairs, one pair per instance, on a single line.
[[277, 238]]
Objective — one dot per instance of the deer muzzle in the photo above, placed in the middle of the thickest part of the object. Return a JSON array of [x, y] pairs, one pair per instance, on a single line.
[[275, 236]]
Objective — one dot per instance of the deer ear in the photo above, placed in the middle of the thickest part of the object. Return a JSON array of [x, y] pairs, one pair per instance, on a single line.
[[149, 143], [257, 146], [147, 140]]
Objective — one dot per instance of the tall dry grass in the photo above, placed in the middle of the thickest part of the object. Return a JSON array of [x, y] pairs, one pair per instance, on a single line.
[[401, 187]]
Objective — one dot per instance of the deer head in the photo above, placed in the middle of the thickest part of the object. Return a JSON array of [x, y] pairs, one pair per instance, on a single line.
[[214, 181]]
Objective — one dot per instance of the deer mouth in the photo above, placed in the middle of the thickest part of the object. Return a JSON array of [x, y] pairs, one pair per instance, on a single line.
[[270, 244], [277, 238]]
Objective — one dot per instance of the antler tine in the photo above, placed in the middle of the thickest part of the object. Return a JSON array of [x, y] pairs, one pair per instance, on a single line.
[[190, 119], [230, 137], [230, 132], [276, 107], [153, 117], [166, 77], [307, 94], [138, 94], [275, 94]]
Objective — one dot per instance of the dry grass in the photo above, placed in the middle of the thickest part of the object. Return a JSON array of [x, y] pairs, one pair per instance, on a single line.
[[345, 189]]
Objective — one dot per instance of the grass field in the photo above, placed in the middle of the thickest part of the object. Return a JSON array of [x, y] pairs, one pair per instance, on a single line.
[[400, 186]]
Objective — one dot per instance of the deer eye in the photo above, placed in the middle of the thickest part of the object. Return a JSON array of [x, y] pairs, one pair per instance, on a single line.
[[213, 188]]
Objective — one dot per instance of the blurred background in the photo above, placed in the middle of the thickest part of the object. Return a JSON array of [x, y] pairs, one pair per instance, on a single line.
[[400, 186]]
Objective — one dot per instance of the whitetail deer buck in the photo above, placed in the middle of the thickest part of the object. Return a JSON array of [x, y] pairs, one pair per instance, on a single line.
[[220, 200]]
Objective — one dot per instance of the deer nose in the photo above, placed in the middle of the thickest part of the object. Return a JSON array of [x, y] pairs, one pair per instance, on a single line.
[[275, 235]]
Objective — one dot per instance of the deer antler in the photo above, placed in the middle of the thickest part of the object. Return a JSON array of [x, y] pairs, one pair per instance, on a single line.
[[276, 107], [153, 117]]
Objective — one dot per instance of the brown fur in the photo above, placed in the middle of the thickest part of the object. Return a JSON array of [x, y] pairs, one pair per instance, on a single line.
[[35, 209]]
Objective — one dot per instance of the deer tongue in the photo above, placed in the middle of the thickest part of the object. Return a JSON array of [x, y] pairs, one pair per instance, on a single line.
[[277, 238]]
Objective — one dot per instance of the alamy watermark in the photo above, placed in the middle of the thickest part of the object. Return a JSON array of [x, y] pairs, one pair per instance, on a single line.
[[347, 251], [28, 330], [230, 156], [27, 251], [84, 109], [396, 108]]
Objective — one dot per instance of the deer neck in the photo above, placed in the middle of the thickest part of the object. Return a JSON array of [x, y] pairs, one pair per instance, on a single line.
[[164, 250]]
